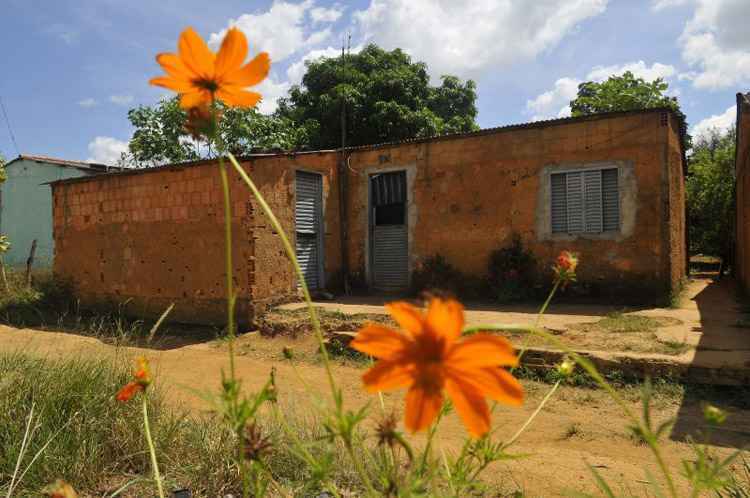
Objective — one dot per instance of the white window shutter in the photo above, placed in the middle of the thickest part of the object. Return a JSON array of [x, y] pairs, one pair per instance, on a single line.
[[575, 206], [559, 210], [610, 200], [592, 184]]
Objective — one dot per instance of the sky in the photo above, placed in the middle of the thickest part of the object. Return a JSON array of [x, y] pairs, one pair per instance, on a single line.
[[71, 69]]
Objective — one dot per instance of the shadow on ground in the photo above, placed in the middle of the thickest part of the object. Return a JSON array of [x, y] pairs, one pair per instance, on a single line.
[[722, 342]]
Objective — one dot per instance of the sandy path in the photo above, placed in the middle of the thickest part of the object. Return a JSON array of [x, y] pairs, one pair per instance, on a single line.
[[556, 462]]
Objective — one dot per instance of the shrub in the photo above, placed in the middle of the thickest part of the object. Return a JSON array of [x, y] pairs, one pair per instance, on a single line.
[[512, 272], [438, 277]]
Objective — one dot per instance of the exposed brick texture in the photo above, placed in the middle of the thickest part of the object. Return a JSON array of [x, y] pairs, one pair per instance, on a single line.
[[742, 166], [156, 237]]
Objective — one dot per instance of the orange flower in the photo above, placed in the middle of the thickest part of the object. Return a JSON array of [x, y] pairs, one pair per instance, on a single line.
[[565, 268], [60, 489], [142, 376], [430, 358], [200, 76]]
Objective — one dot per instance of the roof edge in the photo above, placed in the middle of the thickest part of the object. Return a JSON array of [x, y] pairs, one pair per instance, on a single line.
[[436, 138]]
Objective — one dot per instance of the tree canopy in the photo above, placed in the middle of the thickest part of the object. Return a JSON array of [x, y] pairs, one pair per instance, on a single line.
[[387, 96], [710, 194], [626, 93], [160, 134]]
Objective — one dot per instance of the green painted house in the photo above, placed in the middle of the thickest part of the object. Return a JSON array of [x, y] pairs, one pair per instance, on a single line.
[[26, 204]]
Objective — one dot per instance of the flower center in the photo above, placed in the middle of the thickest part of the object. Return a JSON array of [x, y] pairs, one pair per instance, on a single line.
[[210, 85]]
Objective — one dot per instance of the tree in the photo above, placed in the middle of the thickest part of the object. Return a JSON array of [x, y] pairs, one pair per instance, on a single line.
[[626, 93], [387, 96], [161, 137], [710, 194]]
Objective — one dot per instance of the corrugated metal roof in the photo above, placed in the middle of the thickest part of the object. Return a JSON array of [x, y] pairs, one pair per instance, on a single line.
[[437, 138], [98, 167]]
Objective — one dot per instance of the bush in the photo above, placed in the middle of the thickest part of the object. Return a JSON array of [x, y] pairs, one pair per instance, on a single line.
[[437, 276], [512, 272]]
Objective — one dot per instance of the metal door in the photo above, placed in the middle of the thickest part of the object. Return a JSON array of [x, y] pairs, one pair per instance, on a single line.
[[389, 234], [308, 214]]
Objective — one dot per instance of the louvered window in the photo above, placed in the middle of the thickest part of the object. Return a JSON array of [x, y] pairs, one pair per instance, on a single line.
[[586, 201]]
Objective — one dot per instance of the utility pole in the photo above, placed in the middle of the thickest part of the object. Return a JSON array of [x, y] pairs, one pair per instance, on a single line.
[[343, 175]]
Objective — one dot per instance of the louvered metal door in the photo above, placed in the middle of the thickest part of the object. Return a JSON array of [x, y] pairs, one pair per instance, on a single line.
[[389, 249], [308, 212]]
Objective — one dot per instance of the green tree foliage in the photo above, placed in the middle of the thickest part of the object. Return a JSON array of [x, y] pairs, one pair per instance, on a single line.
[[3, 174], [388, 97], [626, 93], [160, 135], [710, 194]]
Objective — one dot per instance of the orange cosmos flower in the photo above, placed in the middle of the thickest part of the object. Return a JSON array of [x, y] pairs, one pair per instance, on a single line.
[[200, 76], [142, 379], [60, 489], [430, 359], [565, 268]]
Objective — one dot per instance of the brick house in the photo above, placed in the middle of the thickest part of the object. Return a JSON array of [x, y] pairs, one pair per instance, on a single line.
[[609, 186], [742, 169]]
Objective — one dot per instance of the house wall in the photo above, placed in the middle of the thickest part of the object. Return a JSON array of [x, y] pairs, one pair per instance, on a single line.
[[153, 238], [26, 209], [742, 167], [469, 195]]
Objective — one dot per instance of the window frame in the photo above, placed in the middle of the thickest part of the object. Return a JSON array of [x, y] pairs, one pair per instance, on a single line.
[[583, 170]]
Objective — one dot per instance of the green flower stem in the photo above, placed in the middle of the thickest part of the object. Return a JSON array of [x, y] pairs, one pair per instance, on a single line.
[[300, 276], [229, 265], [151, 448], [528, 422]]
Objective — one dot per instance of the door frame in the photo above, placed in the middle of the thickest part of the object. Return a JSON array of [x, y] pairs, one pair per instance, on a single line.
[[411, 215], [320, 225]]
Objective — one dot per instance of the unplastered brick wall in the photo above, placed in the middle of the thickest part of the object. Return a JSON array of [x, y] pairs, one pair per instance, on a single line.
[[147, 239], [469, 195], [742, 253]]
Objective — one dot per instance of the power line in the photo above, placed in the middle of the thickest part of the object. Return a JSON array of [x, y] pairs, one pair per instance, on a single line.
[[10, 130]]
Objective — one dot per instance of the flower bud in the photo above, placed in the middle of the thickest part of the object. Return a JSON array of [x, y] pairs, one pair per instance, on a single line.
[[566, 368], [714, 415]]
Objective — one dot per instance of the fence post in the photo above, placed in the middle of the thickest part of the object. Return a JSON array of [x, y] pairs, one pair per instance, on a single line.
[[29, 263]]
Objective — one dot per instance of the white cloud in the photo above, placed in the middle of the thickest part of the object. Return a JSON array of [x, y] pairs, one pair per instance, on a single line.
[[716, 43], [106, 150], [555, 102], [468, 38], [67, 34], [721, 122], [87, 102], [639, 70], [280, 31], [121, 99], [664, 4], [322, 14], [272, 91], [297, 69]]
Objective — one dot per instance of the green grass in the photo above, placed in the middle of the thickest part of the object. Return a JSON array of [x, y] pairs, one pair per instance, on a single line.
[[96, 443]]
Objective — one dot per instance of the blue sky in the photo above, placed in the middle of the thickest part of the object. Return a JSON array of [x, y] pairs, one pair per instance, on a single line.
[[71, 69]]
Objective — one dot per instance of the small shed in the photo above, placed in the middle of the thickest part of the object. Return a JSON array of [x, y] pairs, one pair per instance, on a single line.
[[26, 204]]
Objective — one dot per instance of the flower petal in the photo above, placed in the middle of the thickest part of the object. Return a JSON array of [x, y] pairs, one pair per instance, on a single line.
[[173, 65], [234, 96], [494, 383], [407, 316], [179, 86], [195, 99], [232, 52], [381, 342], [195, 54], [470, 405], [388, 375], [422, 406], [482, 350], [445, 318], [128, 391], [251, 73]]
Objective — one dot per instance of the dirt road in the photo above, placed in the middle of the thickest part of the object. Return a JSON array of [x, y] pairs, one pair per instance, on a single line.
[[579, 426]]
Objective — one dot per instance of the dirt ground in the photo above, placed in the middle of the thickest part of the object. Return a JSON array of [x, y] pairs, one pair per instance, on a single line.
[[580, 426]]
